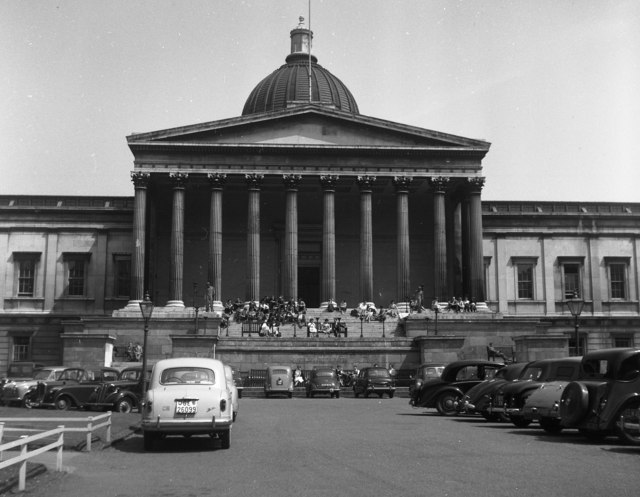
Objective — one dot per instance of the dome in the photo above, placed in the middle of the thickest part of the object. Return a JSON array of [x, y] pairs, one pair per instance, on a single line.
[[288, 86]]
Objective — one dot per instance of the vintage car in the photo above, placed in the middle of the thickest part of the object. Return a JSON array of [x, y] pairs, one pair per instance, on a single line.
[[606, 398], [121, 395], [477, 400], [458, 377], [374, 380], [423, 373], [278, 380], [19, 371], [46, 392], [511, 398], [325, 381], [231, 383], [187, 396], [543, 405], [19, 392]]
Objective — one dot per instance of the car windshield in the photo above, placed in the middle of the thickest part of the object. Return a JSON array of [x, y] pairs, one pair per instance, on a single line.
[[279, 371], [130, 374], [532, 373], [597, 369], [44, 374], [325, 374], [187, 375], [432, 372], [382, 373]]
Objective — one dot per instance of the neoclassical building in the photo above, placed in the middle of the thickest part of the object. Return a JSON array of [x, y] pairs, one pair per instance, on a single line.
[[304, 197]]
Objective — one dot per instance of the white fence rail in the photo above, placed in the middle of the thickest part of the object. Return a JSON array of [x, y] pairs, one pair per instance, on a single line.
[[92, 423]]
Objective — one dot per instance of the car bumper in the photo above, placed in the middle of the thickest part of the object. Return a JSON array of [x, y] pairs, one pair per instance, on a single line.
[[180, 426], [379, 389]]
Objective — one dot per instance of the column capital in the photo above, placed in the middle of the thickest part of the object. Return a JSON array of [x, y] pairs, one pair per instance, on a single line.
[[475, 184], [366, 183], [254, 181], [329, 182], [178, 180], [217, 180], [291, 181], [140, 180], [402, 183], [439, 183]]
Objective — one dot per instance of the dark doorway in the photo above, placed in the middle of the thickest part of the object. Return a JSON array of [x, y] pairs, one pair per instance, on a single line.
[[309, 285]]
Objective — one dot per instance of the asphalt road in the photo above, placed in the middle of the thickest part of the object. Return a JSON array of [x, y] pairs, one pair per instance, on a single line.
[[354, 447]]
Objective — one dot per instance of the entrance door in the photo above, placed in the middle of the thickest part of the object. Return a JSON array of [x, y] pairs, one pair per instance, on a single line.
[[309, 285]]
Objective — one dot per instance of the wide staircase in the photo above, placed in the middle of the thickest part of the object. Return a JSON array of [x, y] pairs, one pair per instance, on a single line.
[[391, 327]]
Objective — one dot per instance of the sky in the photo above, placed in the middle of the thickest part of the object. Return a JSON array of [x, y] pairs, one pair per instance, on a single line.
[[554, 85]]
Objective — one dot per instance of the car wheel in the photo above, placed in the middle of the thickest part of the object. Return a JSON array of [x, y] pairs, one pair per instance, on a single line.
[[150, 440], [491, 416], [356, 394], [551, 425], [446, 403], [225, 439], [380, 394], [124, 406], [629, 424], [574, 403], [63, 403], [29, 400], [519, 421]]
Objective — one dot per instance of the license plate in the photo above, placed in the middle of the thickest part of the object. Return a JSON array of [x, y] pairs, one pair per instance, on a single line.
[[186, 406]]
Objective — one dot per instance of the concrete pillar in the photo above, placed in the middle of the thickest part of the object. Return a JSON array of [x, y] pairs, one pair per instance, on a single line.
[[403, 285], [366, 238], [140, 182], [476, 259], [328, 238], [178, 182], [254, 182], [290, 276], [439, 186], [214, 274]]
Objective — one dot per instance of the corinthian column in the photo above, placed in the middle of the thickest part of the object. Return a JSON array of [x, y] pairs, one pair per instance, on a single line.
[[140, 182], [291, 183], [254, 181], [476, 259], [328, 237], [366, 238], [439, 186], [217, 181], [403, 286], [178, 181]]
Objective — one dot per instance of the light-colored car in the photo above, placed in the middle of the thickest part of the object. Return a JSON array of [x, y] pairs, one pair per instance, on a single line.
[[187, 396], [21, 392], [231, 382], [278, 380]]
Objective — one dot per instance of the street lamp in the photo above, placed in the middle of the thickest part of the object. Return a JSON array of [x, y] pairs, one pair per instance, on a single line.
[[575, 306], [383, 318], [195, 307], [146, 306], [361, 321]]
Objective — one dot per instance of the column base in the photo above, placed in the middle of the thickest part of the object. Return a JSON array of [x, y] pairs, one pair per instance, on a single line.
[[178, 304]]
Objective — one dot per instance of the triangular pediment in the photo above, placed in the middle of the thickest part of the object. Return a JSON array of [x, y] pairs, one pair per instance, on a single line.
[[307, 126]]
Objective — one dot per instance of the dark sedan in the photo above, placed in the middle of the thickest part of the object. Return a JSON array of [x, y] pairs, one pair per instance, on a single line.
[[324, 381], [459, 377], [374, 380], [122, 395]]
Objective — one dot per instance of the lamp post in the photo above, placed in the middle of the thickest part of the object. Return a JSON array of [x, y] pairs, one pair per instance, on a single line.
[[195, 307], [146, 306], [361, 321], [383, 318], [575, 306]]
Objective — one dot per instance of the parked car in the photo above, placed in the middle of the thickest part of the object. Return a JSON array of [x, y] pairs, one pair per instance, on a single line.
[[19, 392], [228, 372], [374, 380], [543, 405], [478, 398], [511, 398], [446, 392], [325, 381], [278, 380], [187, 396], [606, 398], [423, 373], [19, 371], [46, 392], [122, 395]]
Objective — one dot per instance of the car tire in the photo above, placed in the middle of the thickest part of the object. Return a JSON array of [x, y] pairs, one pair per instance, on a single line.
[[445, 403], [225, 439], [380, 394], [124, 406], [356, 394], [63, 403], [574, 403], [28, 400], [519, 421], [628, 425], [551, 425]]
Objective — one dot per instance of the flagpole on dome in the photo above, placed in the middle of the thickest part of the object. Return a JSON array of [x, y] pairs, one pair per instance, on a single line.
[[309, 45]]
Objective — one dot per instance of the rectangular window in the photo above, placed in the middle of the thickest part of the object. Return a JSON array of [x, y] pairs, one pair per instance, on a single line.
[[571, 277], [618, 280], [525, 281], [122, 265], [21, 348], [26, 264], [76, 273], [623, 341]]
